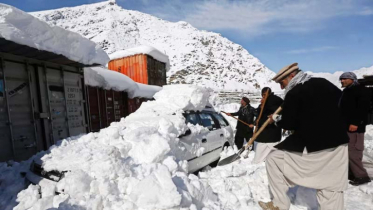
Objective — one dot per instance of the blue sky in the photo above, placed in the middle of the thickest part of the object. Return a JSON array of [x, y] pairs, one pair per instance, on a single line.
[[321, 35]]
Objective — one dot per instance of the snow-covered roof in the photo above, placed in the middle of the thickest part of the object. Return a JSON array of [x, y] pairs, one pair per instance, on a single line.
[[107, 79], [147, 50], [22, 28]]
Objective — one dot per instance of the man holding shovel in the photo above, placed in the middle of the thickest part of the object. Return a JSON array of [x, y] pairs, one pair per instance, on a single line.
[[271, 134], [316, 154], [245, 122]]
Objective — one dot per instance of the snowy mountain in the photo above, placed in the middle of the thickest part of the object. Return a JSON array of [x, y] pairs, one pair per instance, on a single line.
[[196, 56], [334, 77]]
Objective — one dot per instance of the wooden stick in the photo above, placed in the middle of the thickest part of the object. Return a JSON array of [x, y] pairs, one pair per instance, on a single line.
[[261, 129], [261, 111], [237, 119]]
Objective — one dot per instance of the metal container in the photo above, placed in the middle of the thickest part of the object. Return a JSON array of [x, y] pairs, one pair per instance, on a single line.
[[40, 103], [105, 107], [141, 68]]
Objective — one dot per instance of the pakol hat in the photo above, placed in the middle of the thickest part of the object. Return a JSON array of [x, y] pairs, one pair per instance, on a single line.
[[246, 100], [284, 72]]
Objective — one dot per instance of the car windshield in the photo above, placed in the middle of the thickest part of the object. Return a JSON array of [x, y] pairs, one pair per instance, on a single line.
[[221, 119], [191, 118], [208, 121]]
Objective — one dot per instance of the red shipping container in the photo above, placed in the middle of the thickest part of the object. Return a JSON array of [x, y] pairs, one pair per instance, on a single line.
[[141, 68]]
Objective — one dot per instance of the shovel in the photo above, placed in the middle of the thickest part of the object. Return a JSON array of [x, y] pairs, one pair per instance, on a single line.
[[236, 156]]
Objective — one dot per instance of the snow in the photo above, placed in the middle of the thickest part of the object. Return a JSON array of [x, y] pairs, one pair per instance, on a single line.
[[182, 99], [25, 29], [334, 77], [107, 79], [137, 164], [196, 57], [133, 164], [146, 50]]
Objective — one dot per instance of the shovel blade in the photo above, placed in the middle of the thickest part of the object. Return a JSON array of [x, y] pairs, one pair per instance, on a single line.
[[229, 160]]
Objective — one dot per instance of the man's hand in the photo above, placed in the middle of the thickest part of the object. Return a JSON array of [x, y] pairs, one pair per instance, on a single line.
[[251, 125], [352, 128], [229, 114], [271, 119]]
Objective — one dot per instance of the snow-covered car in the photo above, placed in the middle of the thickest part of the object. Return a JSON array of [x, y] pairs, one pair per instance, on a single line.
[[210, 143], [203, 145]]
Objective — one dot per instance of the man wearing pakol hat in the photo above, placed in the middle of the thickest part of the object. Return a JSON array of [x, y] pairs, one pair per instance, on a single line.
[[246, 113], [315, 155], [354, 104]]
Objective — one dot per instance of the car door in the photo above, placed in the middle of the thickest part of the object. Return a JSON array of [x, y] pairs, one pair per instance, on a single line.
[[225, 128], [190, 139], [195, 143], [213, 138]]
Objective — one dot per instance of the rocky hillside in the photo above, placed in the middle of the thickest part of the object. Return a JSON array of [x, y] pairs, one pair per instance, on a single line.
[[197, 57]]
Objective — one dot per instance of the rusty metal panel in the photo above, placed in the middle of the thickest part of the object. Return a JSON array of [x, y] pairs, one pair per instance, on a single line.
[[132, 106], [141, 68], [135, 67], [120, 105], [106, 106], [156, 72], [110, 117], [94, 109]]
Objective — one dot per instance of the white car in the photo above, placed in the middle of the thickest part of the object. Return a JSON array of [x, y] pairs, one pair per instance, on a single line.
[[217, 134]]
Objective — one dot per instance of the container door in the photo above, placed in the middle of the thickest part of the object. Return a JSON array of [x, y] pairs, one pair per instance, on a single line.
[[62, 104], [20, 134], [120, 105], [94, 108], [109, 105]]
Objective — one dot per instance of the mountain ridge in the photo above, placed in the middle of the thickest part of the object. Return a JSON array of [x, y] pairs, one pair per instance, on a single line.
[[196, 56]]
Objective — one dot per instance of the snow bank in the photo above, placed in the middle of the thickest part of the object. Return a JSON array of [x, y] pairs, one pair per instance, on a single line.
[[187, 97], [25, 29], [107, 79], [136, 163], [147, 50]]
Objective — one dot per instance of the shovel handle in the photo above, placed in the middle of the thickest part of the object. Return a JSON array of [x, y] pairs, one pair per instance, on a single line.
[[237, 119], [261, 129], [261, 110]]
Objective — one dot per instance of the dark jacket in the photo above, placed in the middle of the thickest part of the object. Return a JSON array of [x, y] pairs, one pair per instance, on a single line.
[[245, 114], [311, 111], [354, 104], [271, 133]]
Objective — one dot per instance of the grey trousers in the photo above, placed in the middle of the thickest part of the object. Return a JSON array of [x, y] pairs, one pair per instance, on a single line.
[[328, 198], [355, 154]]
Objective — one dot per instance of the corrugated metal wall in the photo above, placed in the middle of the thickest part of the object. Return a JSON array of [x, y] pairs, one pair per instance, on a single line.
[[107, 106], [42, 103], [141, 68], [134, 67], [156, 72], [39, 105]]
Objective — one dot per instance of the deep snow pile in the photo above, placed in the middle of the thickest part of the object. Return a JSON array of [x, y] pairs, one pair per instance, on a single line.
[[144, 49], [107, 79], [25, 29], [133, 164]]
